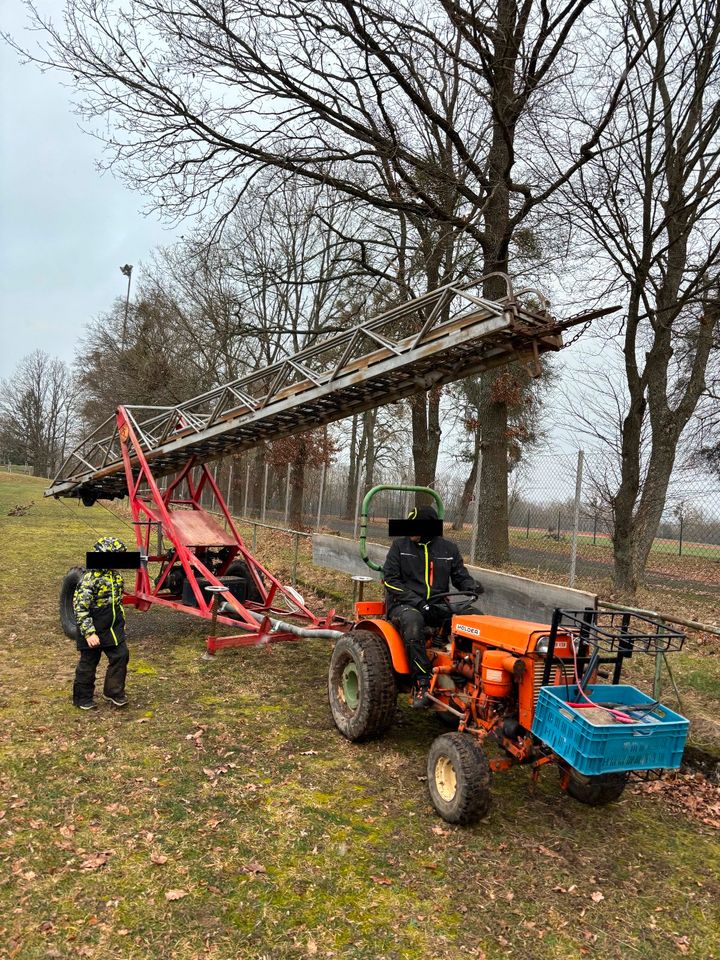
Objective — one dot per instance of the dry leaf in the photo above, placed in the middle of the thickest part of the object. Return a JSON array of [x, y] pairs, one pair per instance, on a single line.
[[175, 894], [67, 830], [383, 881], [549, 853], [209, 773], [682, 943], [158, 858], [254, 868], [96, 860], [439, 830], [596, 896], [312, 948]]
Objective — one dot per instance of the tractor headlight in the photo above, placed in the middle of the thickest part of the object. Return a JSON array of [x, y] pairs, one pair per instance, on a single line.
[[542, 646]]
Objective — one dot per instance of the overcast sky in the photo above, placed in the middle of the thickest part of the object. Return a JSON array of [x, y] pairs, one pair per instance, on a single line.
[[65, 229]]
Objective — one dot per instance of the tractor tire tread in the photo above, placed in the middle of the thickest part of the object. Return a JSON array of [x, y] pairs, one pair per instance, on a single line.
[[473, 799], [598, 790], [376, 711], [67, 592]]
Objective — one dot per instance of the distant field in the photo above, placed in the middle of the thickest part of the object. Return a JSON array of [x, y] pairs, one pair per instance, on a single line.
[[603, 542]]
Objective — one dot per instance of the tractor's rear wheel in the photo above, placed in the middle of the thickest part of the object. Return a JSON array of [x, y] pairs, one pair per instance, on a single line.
[[361, 686], [596, 791], [68, 622], [458, 776]]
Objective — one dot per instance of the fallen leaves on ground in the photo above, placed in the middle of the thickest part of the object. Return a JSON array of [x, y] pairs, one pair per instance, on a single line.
[[254, 868], [96, 860], [175, 894], [691, 794]]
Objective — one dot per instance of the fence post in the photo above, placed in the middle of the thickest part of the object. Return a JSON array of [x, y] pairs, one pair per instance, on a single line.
[[295, 559], [657, 680], [476, 507], [594, 529], [287, 496], [576, 517], [254, 537], [264, 499], [320, 497], [358, 501], [247, 487], [527, 531], [230, 489], [681, 535]]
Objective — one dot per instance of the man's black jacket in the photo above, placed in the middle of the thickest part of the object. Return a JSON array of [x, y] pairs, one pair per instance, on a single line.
[[415, 573]]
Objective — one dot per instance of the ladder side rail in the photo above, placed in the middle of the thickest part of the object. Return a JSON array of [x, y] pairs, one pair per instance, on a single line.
[[349, 380]]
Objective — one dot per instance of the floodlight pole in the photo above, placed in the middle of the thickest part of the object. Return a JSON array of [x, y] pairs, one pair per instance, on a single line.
[[127, 272]]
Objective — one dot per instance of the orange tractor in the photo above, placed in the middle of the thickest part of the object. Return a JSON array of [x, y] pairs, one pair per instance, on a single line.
[[529, 688]]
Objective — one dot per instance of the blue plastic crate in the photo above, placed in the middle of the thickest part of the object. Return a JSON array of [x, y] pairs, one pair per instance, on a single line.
[[655, 743]]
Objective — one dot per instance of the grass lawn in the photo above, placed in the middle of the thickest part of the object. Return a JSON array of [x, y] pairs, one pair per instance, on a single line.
[[221, 816]]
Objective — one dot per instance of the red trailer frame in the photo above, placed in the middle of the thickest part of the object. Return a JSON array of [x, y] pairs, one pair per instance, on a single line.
[[190, 528]]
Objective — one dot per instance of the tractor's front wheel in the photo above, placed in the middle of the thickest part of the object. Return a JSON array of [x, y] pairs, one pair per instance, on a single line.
[[596, 791], [458, 776], [361, 686], [68, 621]]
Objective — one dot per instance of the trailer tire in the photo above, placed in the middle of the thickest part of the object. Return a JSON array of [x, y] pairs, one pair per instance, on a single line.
[[361, 686], [458, 776], [238, 568], [596, 791], [67, 612]]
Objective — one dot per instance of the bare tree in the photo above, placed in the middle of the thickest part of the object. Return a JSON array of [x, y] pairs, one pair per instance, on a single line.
[[441, 116], [649, 201], [37, 412]]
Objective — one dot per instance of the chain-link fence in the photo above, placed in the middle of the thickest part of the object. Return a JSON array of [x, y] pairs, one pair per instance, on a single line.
[[550, 517]]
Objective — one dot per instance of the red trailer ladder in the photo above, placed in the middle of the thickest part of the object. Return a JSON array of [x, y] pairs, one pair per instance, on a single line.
[[444, 335]]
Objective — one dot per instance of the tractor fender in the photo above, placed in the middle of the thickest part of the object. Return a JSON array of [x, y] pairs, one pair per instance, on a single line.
[[393, 639]]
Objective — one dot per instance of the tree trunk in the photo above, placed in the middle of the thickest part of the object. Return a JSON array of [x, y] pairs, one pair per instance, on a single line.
[[426, 431], [257, 470], [351, 493], [297, 485], [369, 421], [468, 488]]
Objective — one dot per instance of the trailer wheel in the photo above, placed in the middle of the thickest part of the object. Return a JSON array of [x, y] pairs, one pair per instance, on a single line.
[[238, 568], [596, 791], [67, 612], [458, 776], [361, 686]]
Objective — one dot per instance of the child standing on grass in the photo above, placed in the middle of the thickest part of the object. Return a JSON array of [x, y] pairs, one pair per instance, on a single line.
[[100, 619]]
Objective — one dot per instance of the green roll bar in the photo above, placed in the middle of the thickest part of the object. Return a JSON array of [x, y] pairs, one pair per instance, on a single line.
[[366, 505]]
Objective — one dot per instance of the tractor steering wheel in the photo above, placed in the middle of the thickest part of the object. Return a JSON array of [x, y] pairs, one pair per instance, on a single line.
[[460, 608]]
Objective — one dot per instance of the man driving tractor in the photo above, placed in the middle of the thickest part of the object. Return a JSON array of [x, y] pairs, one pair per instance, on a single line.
[[417, 574]]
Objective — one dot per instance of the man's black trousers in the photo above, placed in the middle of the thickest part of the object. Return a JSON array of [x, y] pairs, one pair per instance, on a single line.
[[411, 624], [84, 686]]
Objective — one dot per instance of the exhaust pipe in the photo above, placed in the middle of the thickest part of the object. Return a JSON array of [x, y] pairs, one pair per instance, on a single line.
[[281, 626]]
